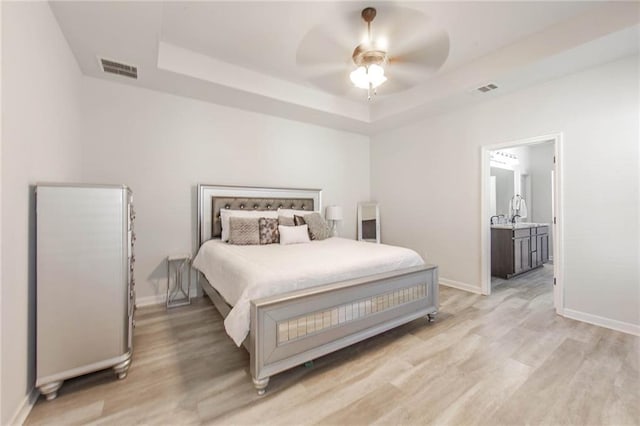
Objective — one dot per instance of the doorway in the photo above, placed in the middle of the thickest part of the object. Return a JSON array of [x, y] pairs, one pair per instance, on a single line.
[[519, 183]]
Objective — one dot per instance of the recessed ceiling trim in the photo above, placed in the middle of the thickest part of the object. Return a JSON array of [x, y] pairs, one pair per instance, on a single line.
[[196, 65]]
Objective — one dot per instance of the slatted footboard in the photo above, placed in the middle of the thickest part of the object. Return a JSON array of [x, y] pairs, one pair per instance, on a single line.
[[291, 329]]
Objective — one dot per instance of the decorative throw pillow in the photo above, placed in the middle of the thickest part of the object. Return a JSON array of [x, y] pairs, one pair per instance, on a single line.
[[244, 231], [225, 214], [318, 227], [286, 221], [268, 230], [293, 234], [299, 220]]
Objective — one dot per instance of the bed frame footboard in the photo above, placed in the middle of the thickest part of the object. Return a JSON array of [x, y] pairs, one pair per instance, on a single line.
[[291, 329]]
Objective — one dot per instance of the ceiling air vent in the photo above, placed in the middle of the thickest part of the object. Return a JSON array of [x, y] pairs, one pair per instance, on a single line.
[[118, 68], [487, 88]]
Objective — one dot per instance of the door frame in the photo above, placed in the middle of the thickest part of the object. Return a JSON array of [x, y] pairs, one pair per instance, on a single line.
[[557, 193]]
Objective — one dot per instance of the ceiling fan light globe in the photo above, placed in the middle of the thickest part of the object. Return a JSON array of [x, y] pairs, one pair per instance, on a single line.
[[375, 71], [377, 82], [376, 75], [359, 78]]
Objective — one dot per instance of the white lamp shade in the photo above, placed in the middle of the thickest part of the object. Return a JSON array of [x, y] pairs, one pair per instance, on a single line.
[[334, 213]]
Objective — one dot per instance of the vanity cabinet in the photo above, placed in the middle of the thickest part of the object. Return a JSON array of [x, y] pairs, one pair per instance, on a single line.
[[518, 250], [540, 250]]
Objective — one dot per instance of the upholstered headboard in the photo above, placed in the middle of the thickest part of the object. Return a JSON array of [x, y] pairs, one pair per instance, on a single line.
[[260, 204], [213, 198]]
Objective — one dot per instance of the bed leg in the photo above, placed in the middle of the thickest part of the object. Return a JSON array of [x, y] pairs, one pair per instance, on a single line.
[[432, 317], [261, 385]]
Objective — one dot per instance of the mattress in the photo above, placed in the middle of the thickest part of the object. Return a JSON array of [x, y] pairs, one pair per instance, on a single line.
[[244, 273]]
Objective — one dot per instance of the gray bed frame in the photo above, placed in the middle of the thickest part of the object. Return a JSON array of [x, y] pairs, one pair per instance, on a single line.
[[292, 328]]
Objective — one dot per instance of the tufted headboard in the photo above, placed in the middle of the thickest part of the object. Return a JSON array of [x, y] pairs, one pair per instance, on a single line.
[[213, 198]]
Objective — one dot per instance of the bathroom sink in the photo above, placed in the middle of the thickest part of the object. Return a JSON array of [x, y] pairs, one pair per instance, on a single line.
[[519, 225]]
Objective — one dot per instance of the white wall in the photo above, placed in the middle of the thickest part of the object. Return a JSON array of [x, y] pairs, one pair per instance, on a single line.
[[540, 168], [40, 124], [426, 177], [162, 146]]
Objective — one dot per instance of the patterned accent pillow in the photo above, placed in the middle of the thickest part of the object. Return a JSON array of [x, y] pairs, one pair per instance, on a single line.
[[244, 231], [318, 227], [298, 220], [268, 231], [286, 221]]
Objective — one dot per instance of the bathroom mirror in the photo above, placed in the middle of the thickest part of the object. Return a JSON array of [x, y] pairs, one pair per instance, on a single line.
[[507, 185], [369, 222], [502, 190]]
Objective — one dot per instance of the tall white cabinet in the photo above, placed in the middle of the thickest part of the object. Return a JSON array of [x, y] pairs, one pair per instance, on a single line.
[[85, 297]]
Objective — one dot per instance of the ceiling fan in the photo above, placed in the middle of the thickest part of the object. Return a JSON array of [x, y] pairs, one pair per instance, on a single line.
[[406, 49], [370, 58]]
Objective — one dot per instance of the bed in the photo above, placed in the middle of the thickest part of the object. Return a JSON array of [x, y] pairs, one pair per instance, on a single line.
[[291, 304]]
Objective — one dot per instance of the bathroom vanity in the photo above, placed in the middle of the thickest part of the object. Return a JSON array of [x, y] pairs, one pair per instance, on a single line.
[[518, 248]]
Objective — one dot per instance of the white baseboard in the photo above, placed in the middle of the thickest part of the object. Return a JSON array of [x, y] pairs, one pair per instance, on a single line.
[[460, 285], [624, 327], [156, 299], [24, 409]]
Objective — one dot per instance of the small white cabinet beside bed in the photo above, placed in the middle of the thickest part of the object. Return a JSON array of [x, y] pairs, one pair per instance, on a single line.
[[290, 328]]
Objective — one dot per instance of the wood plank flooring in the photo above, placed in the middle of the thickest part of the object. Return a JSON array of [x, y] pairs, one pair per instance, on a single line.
[[507, 359]]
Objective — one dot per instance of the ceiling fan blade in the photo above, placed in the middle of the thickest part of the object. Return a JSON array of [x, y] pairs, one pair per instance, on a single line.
[[319, 47], [406, 74], [332, 41], [431, 52], [411, 36], [410, 72], [393, 85]]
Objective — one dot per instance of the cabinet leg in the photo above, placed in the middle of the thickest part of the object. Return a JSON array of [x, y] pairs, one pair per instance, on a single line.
[[432, 317], [50, 390], [261, 385], [122, 368]]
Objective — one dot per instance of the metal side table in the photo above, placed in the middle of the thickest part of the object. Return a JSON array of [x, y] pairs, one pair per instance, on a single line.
[[180, 293]]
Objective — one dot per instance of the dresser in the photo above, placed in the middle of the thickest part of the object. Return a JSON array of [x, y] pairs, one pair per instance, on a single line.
[[85, 294]]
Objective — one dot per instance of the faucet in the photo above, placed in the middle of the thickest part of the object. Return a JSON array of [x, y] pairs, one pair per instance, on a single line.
[[514, 219], [498, 216]]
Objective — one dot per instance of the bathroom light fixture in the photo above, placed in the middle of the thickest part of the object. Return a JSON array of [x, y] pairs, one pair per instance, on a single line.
[[505, 158], [369, 59]]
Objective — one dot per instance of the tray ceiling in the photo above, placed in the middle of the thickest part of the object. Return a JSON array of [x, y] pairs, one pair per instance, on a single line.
[[247, 54]]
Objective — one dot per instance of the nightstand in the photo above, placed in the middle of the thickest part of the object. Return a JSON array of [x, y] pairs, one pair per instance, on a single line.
[[178, 289]]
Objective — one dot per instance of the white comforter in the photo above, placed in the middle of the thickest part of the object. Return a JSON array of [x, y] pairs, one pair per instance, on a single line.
[[244, 273]]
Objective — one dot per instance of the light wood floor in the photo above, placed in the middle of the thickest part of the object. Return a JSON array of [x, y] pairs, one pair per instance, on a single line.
[[506, 359]]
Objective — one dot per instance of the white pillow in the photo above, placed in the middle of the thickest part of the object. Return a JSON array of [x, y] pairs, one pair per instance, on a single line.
[[293, 234], [225, 214], [292, 212]]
